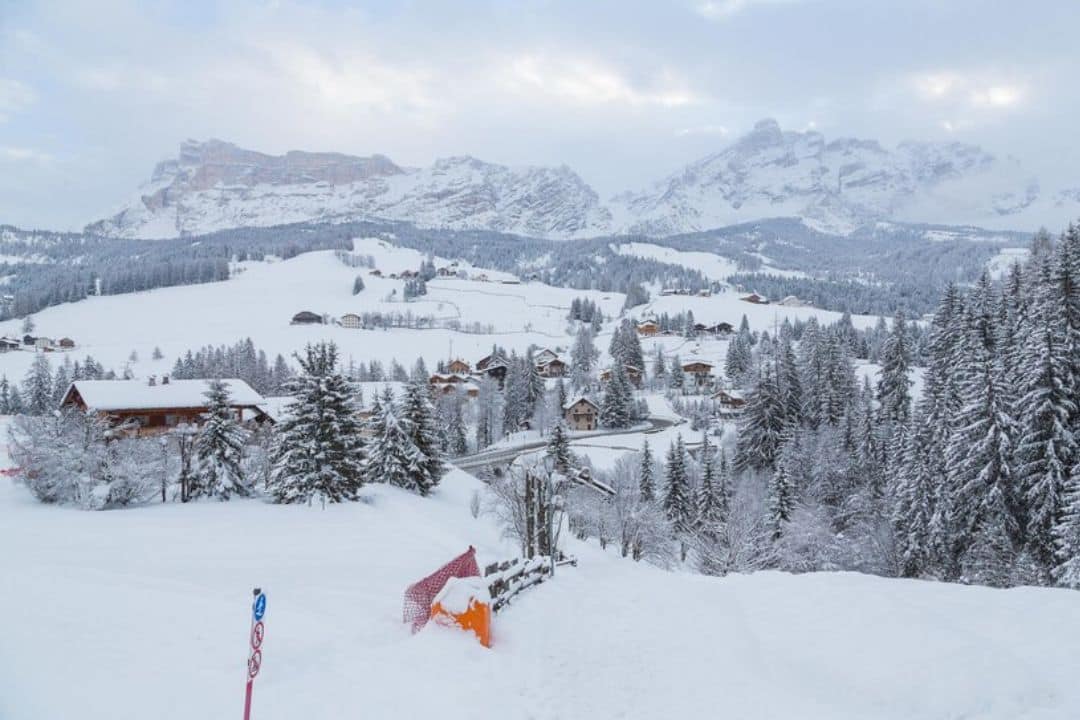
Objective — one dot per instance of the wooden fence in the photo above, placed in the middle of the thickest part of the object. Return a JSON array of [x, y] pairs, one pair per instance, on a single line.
[[508, 578]]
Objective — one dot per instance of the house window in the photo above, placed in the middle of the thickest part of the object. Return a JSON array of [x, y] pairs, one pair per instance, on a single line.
[[172, 420]]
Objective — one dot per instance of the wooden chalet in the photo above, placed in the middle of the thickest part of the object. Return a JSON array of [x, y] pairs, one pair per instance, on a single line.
[[148, 407], [728, 401], [700, 372], [755, 299], [8, 344], [553, 368], [545, 355], [581, 413], [494, 367], [720, 328], [633, 374], [647, 328], [306, 317], [459, 367], [66, 343]]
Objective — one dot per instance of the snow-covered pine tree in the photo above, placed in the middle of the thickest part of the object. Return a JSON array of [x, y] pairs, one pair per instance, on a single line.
[[457, 442], [780, 502], [790, 384], [980, 456], [418, 419], [913, 498], [645, 474], [392, 457], [761, 426], [1046, 447], [894, 385], [616, 409], [558, 448], [516, 395], [678, 377], [583, 357], [709, 502], [319, 455], [659, 366], [37, 388], [1067, 534], [219, 448], [534, 384], [678, 500]]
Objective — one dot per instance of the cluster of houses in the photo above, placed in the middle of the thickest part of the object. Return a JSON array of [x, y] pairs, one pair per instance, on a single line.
[[685, 291], [37, 344], [651, 328]]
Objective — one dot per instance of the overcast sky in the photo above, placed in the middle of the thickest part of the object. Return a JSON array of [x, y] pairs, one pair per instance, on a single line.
[[92, 94]]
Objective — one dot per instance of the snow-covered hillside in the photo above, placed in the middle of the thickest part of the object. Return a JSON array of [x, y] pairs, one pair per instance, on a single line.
[[834, 186], [118, 615], [259, 302]]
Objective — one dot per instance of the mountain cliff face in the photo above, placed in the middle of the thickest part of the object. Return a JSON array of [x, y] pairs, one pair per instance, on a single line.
[[833, 186], [216, 185]]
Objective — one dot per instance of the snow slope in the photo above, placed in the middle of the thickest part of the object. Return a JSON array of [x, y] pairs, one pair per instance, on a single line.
[[125, 614], [259, 302]]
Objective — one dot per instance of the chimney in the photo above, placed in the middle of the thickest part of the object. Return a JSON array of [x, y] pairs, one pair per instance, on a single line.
[[152, 381], [164, 379]]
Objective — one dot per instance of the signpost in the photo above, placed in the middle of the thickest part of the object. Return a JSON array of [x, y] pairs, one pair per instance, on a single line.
[[256, 635]]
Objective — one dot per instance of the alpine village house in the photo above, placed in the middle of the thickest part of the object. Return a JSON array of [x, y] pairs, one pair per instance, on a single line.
[[152, 407]]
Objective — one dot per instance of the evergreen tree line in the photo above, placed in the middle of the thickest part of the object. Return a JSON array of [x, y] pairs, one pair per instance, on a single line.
[[241, 360]]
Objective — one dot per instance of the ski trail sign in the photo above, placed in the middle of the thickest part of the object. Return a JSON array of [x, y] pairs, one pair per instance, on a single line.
[[255, 636]]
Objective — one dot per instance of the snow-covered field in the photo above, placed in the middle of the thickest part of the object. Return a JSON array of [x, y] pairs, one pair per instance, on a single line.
[[259, 302], [144, 612]]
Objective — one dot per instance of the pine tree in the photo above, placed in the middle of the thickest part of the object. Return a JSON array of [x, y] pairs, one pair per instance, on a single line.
[[678, 503], [781, 494], [1067, 534], [38, 387], [457, 442], [979, 459], [710, 505], [761, 426], [583, 357], [392, 458], [219, 448], [1046, 446], [659, 367], [893, 390], [616, 406], [558, 448], [914, 501], [320, 451], [418, 419], [645, 479], [678, 377]]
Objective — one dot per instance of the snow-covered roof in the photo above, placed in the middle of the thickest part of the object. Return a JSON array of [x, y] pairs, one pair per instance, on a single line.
[[108, 395], [576, 399]]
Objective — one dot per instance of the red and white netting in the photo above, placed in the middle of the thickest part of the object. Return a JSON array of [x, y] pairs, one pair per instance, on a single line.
[[418, 596]]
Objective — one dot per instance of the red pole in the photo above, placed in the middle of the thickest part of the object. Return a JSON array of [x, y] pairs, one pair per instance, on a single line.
[[247, 701]]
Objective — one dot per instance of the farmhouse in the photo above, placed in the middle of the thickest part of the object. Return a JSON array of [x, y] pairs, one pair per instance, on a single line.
[[544, 356], [647, 328], [66, 343], [792, 301], [552, 368], [633, 374], [459, 367], [720, 328], [728, 401], [756, 299], [581, 413], [8, 344], [351, 320], [494, 366], [699, 372], [151, 407], [306, 317]]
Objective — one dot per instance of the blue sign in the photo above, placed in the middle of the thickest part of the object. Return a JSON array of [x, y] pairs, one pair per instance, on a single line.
[[259, 609]]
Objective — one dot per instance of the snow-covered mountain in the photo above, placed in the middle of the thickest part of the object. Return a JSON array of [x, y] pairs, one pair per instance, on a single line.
[[216, 185], [833, 186], [836, 186]]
